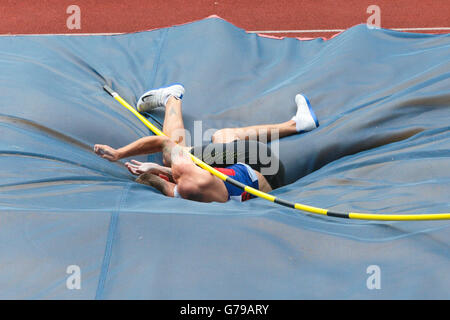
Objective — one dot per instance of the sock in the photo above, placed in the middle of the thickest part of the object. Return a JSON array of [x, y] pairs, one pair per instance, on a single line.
[[296, 118]]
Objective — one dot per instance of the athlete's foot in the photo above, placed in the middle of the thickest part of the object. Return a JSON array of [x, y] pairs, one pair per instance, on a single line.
[[305, 119], [158, 97]]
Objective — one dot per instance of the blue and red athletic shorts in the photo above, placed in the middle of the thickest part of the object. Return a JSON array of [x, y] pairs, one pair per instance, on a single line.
[[244, 174]]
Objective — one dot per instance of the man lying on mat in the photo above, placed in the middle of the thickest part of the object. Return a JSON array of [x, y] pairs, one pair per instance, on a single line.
[[235, 152]]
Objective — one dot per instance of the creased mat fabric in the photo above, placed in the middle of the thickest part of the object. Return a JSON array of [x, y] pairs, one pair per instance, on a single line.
[[383, 146]]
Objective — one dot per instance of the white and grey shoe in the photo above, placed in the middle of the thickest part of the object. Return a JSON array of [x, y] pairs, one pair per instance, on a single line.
[[158, 97], [305, 118]]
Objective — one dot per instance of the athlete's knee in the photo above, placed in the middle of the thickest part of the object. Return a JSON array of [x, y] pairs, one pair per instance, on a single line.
[[169, 149], [224, 136]]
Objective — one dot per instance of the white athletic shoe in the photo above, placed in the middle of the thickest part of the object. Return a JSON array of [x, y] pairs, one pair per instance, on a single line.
[[158, 97], [305, 118]]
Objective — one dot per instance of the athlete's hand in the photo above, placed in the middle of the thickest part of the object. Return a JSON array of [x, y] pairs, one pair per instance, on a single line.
[[106, 152], [137, 168]]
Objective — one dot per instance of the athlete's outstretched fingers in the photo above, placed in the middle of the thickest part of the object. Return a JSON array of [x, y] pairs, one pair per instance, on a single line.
[[132, 168], [136, 162], [140, 167], [128, 166]]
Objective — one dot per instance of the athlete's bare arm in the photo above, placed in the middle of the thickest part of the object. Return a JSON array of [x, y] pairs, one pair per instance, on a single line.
[[146, 145], [193, 182], [138, 168], [152, 180]]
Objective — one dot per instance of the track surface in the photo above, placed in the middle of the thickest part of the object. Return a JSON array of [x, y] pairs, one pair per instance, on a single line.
[[117, 16]]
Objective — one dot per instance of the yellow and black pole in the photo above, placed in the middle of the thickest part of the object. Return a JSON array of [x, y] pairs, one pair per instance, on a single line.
[[260, 194]]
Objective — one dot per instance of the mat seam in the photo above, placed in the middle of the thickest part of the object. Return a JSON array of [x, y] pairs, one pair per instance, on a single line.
[[109, 242]]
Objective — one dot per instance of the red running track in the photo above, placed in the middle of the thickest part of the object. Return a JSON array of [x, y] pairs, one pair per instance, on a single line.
[[117, 16]]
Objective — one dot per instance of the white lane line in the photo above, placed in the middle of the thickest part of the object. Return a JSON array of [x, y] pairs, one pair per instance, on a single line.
[[421, 29], [64, 34], [297, 31], [340, 30], [257, 31]]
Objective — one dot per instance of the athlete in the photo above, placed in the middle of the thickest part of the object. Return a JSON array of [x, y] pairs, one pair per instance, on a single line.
[[236, 152]]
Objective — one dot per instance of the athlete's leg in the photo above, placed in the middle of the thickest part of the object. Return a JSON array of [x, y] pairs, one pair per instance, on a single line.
[[304, 120], [170, 99], [266, 131], [263, 185], [173, 121]]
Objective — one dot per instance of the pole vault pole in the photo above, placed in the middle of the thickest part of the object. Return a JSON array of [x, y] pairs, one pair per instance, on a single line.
[[263, 195]]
